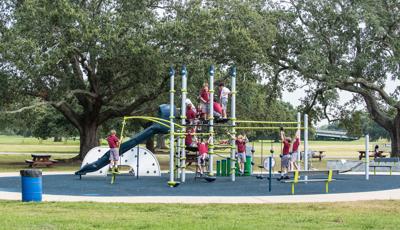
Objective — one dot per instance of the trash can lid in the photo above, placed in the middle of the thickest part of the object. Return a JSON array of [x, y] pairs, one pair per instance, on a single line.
[[31, 172]]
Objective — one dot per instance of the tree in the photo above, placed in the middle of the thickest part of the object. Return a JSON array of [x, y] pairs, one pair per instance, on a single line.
[[98, 60], [346, 45], [90, 60]]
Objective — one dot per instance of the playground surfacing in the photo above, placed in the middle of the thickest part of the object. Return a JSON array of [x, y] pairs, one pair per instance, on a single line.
[[127, 185]]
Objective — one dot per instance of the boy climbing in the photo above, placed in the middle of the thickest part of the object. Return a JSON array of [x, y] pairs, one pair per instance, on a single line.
[[295, 152], [285, 159], [240, 142], [202, 146], [113, 143], [223, 98]]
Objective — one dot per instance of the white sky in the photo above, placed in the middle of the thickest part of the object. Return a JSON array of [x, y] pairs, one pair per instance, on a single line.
[[294, 97]]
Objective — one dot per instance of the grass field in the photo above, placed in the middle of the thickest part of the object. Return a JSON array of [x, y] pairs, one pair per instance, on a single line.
[[350, 215], [27, 146]]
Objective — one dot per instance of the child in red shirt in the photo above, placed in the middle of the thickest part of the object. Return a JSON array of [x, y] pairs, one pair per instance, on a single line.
[[217, 110], [204, 100], [240, 142], [202, 147], [295, 152], [113, 143], [285, 159], [190, 139]]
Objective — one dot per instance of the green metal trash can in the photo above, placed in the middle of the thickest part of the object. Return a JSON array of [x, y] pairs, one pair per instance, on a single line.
[[218, 168], [247, 166], [228, 166], [223, 168]]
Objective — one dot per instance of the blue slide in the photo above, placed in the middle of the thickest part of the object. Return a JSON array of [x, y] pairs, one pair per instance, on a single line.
[[155, 128]]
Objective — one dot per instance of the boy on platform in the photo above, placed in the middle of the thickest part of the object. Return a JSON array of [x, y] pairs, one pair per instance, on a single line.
[[202, 147], [240, 142], [113, 143]]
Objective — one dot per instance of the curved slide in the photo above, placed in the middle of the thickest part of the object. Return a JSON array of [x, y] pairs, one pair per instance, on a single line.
[[155, 128]]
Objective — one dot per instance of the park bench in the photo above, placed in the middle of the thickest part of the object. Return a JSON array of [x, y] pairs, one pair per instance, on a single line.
[[40, 160], [379, 155], [296, 177], [377, 163], [318, 154]]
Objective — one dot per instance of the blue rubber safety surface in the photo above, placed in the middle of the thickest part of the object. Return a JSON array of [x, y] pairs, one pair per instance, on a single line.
[[127, 185]]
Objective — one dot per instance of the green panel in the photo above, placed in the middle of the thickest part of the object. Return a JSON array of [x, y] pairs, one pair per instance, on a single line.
[[228, 166], [247, 166], [218, 168], [223, 168]]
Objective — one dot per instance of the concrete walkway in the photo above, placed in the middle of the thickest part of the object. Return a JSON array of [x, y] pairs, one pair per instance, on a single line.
[[393, 194]]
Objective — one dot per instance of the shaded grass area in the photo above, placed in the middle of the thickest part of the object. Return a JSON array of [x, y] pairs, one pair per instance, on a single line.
[[349, 215], [16, 162]]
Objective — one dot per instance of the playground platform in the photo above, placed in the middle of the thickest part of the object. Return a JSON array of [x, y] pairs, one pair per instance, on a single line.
[[68, 187]]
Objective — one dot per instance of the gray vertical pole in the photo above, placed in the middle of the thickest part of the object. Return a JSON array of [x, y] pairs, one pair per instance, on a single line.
[[137, 162], [211, 123], [171, 181], [299, 131], [367, 157], [183, 117], [233, 121], [305, 144], [270, 173]]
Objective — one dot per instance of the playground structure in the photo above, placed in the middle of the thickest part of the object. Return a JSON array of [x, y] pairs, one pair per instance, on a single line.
[[165, 124], [233, 124]]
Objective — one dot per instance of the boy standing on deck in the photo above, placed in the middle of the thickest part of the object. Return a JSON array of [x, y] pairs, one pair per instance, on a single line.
[[202, 147], [285, 159], [113, 143], [204, 100], [223, 98], [240, 142]]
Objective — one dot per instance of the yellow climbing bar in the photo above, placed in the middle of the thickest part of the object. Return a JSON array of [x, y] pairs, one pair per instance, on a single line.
[[266, 128], [154, 119], [267, 122]]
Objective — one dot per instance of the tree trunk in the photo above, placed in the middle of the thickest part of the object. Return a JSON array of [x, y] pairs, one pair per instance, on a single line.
[[57, 139], [88, 139], [395, 137], [161, 141], [150, 144]]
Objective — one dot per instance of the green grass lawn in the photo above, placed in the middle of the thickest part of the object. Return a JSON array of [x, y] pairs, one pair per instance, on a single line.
[[349, 215], [27, 146], [15, 162]]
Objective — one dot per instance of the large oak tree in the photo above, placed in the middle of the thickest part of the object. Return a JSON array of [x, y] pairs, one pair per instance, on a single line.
[[347, 45]]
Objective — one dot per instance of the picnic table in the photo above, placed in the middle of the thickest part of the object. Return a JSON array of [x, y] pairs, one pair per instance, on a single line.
[[379, 155], [318, 154], [40, 160]]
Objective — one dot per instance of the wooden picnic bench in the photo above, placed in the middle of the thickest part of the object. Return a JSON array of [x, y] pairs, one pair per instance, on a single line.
[[40, 160], [377, 163], [362, 154], [296, 177], [320, 155]]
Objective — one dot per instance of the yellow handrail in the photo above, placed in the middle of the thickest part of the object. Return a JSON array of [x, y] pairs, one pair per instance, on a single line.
[[267, 122], [267, 128]]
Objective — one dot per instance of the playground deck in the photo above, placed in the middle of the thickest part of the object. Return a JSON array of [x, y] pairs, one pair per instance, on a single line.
[[129, 186]]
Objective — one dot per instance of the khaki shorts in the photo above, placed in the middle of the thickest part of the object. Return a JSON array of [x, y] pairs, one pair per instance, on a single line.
[[241, 157], [204, 107], [224, 103], [293, 158], [285, 160], [114, 154]]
